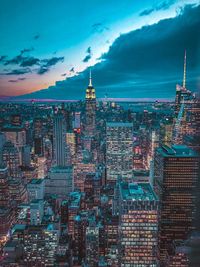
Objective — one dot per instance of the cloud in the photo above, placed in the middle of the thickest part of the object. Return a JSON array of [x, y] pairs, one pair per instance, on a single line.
[[2, 58], [89, 55], [52, 61], [86, 58], [99, 27], [17, 72], [23, 61], [36, 37], [42, 70], [13, 81], [46, 64], [146, 12], [29, 61], [17, 80], [145, 62], [161, 6], [64, 74], [72, 70], [26, 50]]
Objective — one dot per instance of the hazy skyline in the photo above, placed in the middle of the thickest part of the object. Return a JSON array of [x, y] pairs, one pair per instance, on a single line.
[[43, 44]]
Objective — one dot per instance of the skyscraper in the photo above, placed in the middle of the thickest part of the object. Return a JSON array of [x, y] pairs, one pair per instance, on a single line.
[[119, 154], [11, 158], [59, 141], [138, 225], [176, 174], [90, 109]]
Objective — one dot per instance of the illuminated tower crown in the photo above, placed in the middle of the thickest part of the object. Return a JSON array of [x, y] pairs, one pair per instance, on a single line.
[[90, 91]]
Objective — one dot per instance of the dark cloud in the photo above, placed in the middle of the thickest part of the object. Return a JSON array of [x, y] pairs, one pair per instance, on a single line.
[[17, 71], [13, 81], [2, 58], [145, 62], [51, 61], [161, 6], [42, 70], [46, 64], [89, 51], [86, 58], [99, 27], [26, 50], [29, 61], [37, 36], [89, 55], [17, 80], [64, 74], [146, 12], [16, 60], [23, 61], [72, 69]]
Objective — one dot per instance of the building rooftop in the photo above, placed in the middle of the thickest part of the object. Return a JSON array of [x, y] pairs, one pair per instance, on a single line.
[[119, 124], [36, 181], [177, 151], [137, 192]]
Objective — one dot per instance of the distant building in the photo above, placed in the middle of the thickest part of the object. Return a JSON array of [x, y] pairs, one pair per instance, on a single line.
[[36, 189], [92, 245], [40, 243], [36, 211], [59, 182]]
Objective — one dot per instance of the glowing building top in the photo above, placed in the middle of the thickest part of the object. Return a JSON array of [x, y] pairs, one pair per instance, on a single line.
[[90, 91]]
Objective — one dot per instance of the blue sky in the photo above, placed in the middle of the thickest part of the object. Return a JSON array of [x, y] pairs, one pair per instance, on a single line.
[[44, 42]]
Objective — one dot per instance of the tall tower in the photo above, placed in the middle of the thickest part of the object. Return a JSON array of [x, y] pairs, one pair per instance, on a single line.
[[182, 93], [90, 109], [59, 131]]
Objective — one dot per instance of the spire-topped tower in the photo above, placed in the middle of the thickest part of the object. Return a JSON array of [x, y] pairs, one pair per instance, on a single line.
[[184, 70], [90, 91], [90, 106]]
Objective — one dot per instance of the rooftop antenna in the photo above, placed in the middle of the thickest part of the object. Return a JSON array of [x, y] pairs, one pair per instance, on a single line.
[[90, 78], [184, 71]]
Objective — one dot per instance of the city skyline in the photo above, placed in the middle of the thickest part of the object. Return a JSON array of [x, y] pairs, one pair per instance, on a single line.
[[101, 169], [128, 54]]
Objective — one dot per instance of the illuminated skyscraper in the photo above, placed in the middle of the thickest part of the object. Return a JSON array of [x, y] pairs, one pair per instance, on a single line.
[[176, 174], [138, 225], [92, 245], [119, 155], [10, 156], [90, 109], [59, 141]]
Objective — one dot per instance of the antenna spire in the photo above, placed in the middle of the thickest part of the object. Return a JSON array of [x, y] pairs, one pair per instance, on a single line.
[[90, 78], [184, 71]]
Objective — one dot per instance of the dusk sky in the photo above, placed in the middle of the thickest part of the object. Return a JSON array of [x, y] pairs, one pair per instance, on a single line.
[[135, 48]]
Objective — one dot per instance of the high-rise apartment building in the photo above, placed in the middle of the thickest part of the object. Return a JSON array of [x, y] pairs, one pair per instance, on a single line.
[[119, 154], [176, 174], [138, 225]]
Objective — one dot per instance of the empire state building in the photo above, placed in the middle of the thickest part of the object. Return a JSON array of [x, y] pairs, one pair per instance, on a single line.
[[90, 109]]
